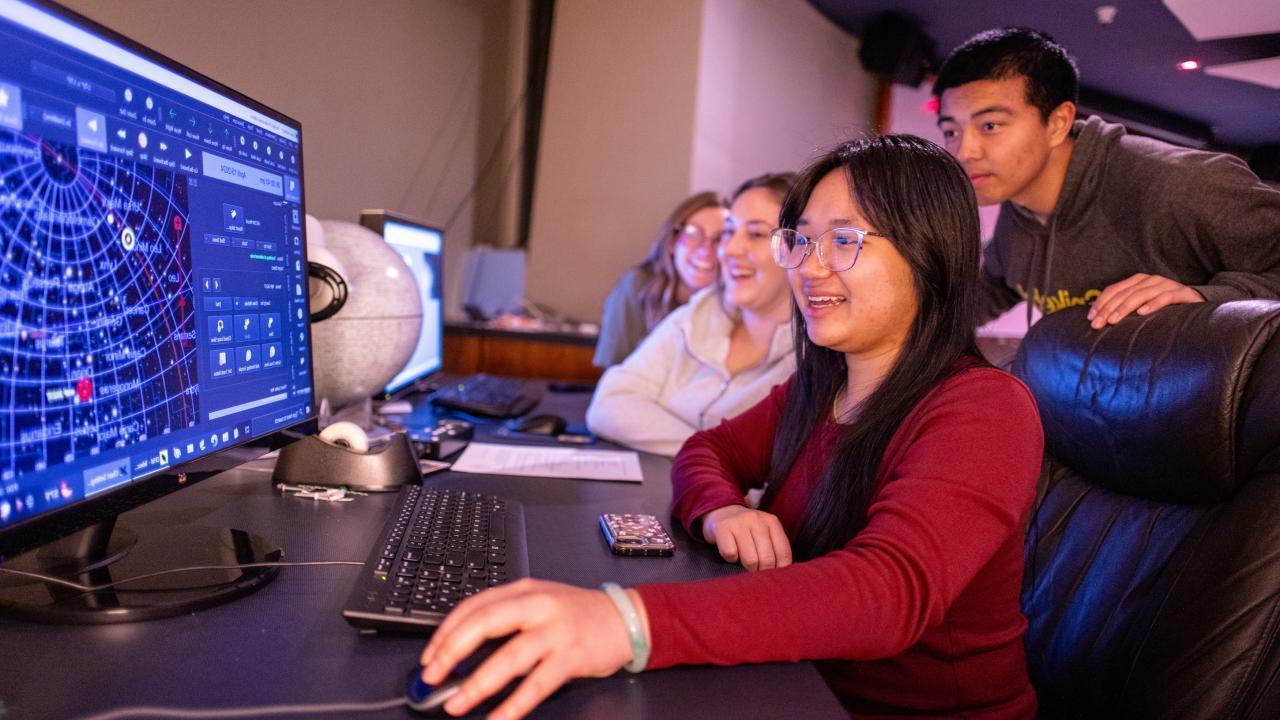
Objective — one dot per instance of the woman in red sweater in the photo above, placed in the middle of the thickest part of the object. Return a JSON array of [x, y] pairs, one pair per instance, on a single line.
[[894, 470]]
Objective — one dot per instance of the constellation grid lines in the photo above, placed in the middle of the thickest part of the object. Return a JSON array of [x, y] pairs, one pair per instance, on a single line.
[[97, 324]]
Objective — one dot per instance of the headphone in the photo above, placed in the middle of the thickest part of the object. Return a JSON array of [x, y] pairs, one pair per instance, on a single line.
[[328, 294]]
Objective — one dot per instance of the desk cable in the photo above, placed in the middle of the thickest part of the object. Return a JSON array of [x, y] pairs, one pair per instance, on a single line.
[[193, 568], [247, 712], [243, 712]]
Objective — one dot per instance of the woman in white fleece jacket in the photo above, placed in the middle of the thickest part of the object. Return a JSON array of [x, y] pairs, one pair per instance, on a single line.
[[717, 355]]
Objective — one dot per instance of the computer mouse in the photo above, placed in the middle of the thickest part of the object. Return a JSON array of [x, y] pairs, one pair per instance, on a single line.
[[453, 428], [544, 424], [429, 700]]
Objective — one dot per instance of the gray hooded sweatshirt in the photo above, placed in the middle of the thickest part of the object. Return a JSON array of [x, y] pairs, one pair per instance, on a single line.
[[1134, 205]]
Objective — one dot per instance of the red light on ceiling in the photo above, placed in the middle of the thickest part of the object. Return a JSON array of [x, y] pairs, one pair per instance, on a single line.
[[931, 105], [1189, 65]]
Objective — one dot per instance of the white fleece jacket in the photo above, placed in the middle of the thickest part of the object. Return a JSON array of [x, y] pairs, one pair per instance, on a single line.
[[676, 383]]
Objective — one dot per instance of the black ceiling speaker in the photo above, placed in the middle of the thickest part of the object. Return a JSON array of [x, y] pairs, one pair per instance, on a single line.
[[893, 45], [1265, 161]]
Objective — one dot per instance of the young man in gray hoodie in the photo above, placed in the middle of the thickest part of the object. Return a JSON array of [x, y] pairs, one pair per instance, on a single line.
[[1088, 214]]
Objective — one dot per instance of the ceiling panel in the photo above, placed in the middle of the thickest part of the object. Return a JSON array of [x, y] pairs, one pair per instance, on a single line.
[[1226, 18], [1265, 72], [1135, 57]]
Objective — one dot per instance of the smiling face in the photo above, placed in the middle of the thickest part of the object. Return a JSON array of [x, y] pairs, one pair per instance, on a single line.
[[1003, 141], [867, 310], [752, 281], [694, 257]]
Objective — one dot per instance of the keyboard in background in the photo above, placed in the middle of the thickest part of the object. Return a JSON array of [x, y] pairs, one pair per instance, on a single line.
[[438, 548], [488, 396]]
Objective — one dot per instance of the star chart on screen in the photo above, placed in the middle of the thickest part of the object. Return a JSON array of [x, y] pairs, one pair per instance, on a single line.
[[97, 329]]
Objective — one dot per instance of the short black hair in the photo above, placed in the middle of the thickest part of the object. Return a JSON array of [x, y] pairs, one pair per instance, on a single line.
[[1051, 73]]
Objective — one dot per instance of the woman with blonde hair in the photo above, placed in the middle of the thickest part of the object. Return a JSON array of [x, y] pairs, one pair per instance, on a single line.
[[681, 261]]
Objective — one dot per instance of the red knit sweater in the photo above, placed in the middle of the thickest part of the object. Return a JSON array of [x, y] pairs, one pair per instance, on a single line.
[[918, 614]]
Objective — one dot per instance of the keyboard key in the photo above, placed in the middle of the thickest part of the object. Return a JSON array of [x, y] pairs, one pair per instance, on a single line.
[[436, 553]]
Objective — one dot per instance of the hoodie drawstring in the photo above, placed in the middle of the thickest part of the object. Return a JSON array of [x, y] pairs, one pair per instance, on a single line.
[[1044, 275]]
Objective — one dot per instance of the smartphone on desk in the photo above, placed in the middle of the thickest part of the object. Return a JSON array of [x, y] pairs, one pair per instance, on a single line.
[[636, 534]]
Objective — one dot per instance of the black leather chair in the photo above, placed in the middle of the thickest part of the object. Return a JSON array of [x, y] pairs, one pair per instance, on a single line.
[[1152, 582]]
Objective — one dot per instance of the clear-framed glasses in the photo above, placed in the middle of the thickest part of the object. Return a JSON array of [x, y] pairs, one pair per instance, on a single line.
[[838, 248], [692, 237]]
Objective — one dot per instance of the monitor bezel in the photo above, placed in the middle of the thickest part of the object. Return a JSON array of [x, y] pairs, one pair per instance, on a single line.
[[29, 533], [376, 221]]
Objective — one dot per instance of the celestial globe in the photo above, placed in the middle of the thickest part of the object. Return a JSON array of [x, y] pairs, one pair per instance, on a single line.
[[369, 340]]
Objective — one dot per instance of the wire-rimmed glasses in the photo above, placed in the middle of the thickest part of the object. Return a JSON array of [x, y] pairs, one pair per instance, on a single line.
[[838, 248], [692, 237]]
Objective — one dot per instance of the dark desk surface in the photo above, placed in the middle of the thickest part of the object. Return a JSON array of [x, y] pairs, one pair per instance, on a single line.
[[288, 644]]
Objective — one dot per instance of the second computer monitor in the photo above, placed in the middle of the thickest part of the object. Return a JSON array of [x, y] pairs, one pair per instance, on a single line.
[[421, 246]]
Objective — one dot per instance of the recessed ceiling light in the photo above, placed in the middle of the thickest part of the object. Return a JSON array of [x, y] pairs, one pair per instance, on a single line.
[[1189, 65]]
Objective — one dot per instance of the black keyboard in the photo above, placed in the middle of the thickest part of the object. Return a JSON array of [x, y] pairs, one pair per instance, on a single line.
[[439, 547], [488, 395]]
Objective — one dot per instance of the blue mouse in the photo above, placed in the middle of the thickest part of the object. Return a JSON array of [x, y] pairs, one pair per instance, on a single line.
[[429, 700]]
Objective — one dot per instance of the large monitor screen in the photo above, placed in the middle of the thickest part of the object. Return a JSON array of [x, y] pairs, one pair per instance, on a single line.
[[152, 277], [421, 247]]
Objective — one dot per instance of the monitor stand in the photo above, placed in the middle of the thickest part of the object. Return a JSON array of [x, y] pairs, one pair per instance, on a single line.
[[103, 552]]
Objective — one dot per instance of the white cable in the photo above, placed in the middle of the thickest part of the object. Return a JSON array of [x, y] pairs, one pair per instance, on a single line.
[[193, 568], [246, 712]]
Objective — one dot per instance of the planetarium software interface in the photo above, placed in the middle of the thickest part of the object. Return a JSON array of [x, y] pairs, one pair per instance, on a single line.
[[420, 248], [152, 277]]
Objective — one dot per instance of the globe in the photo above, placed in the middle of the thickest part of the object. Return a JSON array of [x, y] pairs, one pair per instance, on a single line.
[[359, 349]]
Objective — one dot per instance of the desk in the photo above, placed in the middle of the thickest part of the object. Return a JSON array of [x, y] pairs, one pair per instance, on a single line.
[[288, 644], [550, 355]]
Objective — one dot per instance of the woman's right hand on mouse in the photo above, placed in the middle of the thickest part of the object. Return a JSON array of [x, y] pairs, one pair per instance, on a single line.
[[753, 537], [561, 632]]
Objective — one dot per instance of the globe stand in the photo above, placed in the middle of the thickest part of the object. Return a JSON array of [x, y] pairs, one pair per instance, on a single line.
[[361, 413]]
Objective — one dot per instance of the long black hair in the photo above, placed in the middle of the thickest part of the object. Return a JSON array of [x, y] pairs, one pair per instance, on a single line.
[[915, 193]]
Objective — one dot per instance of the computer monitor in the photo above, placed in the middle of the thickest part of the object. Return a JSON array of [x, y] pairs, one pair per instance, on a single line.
[[494, 282], [422, 248], [153, 313]]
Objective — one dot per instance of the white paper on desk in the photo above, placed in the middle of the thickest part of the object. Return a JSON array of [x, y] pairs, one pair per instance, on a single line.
[[558, 462]]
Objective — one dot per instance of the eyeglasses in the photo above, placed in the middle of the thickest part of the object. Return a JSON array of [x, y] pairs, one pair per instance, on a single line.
[[838, 248], [692, 237]]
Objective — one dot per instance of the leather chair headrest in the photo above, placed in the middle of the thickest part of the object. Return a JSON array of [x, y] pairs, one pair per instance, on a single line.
[[1152, 406]]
